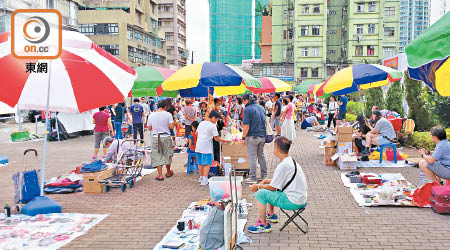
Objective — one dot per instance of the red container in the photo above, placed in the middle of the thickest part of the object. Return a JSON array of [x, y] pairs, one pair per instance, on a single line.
[[370, 179], [396, 123], [440, 199]]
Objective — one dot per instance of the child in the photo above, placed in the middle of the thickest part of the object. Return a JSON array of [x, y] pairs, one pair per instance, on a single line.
[[192, 139], [206, 131]]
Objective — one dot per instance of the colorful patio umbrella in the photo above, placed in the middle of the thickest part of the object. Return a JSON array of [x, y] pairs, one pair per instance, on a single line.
[[84, 77], [270, 85], [225, 79], [363, 76], [303, 87], [149, 79], [428, 56]]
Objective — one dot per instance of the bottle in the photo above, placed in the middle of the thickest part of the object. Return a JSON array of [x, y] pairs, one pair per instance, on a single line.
[[421, 179], [7, 211]]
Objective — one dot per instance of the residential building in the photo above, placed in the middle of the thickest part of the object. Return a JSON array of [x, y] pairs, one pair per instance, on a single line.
[[68, 9], [310, 39], [414, 19], [172, 22], [282, 71], [127, 29], [331, 35], [266, 39], [235, 28], [283, 31]]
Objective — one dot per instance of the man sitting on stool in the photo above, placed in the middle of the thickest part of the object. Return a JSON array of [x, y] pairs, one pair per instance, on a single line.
[[286, 190], [437, 165], [382, 133]]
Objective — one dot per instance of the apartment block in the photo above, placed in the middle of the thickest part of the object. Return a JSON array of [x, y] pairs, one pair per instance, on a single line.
[[127, 29], [331, 35], [172, 22], [282, 15], [414, 19], [68, 9]]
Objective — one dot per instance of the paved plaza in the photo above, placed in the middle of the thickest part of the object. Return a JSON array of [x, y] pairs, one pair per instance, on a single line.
[[140, 217]]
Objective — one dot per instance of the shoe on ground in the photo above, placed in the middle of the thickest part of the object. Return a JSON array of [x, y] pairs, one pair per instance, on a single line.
[[200, 179], [204, 182], [250, 181], [272, 218], [94, 157], [259, 228], [262, 178]]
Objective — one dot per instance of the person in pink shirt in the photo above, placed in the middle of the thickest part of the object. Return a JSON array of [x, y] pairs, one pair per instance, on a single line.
[[103, 127], [288, 127]]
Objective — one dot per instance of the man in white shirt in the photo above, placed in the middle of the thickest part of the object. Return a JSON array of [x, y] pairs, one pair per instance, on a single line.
[[287, 189], [160, 123], [269, 105]]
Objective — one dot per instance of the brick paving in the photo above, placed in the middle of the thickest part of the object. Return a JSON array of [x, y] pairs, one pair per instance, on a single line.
[[140, 217]]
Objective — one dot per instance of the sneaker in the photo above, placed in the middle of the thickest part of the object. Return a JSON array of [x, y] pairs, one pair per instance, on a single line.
[[94, 157], [365, 152], [204, 182], [262, 178], [272, 218], [250, 181], [200, 179], [260, 228]]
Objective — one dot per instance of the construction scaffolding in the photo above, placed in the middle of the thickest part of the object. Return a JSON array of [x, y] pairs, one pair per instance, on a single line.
[[235, 30]]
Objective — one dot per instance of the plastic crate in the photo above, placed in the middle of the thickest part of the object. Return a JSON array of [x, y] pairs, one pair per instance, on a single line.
[[20, 136], [219, 187]]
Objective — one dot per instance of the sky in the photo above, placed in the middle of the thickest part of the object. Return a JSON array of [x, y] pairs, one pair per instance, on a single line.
[[197, 29], [197, 15]]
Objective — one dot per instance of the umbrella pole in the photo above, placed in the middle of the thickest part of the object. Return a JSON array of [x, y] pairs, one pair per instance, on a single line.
[[362, 105], [44, 152]]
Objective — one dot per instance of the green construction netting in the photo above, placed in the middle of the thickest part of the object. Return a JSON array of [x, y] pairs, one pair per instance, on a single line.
[[231, 30]]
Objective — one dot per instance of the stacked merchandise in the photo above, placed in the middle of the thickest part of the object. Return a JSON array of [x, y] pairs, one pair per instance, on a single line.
[[64, 184], [345, 156]]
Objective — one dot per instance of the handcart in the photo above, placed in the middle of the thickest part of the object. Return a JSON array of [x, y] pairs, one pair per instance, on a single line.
[[127, 168], [26, 183]]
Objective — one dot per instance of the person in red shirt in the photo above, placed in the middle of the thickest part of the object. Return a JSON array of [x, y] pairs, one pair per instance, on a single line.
[[103, 127]]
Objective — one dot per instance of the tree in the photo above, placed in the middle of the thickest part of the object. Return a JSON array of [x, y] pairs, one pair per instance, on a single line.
[[394, 98], [374, 98], [416, 98]]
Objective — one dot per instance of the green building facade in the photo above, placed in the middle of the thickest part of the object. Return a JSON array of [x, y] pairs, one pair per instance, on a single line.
[[283, 31], [233, 37]]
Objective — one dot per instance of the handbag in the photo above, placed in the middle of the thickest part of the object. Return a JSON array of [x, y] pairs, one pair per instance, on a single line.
[[124, 126]]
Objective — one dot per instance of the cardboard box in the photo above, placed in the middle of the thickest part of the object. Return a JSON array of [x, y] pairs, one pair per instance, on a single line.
[[328, 153], [345, 130], [347, 162], [344, 148], [344, 137], [90, 181], [238, 154]]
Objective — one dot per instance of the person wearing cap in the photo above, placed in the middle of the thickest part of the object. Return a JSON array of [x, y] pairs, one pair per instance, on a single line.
[[382, 133], [190, 115], [254, 134]]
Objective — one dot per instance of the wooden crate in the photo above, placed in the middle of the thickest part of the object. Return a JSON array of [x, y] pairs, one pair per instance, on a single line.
[[90, 181]]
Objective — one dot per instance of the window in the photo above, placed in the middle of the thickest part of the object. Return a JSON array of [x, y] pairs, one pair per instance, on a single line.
[[303, 72], [332, 51], [315, 30], [304, 30], [169, 36], [359, 29], [87, 29], [371, 29], [112, 49], [154, 24], [332, 12], [359, 7], [99, 29], [315, 72], [372, 6], [130, 53], [389, 31], [146, 38], [304, 51], [359, 51], [388, 52], [389, 11], [314, 51], [316, 8], [332, 32], [138, 35], [129, 33], [370, 50], [169, 51], [305, 9]]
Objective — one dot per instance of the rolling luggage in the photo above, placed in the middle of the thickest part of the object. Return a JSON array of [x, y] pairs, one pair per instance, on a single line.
[[440, 199]]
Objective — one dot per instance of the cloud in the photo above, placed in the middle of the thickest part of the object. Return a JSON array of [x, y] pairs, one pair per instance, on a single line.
[[197, 29]]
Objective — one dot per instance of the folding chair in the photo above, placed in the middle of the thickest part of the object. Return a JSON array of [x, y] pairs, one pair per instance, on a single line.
[[291, 218]]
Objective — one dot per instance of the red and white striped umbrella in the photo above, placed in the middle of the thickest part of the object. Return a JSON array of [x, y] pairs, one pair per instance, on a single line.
[[84, 77]]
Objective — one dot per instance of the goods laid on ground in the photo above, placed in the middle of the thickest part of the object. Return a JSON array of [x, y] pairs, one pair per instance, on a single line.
[[44, 231], [385, 189]]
